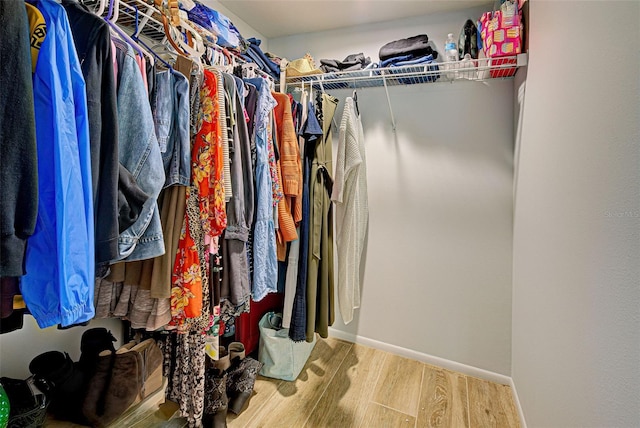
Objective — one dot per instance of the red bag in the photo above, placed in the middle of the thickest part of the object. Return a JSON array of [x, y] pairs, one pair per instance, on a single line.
[[247, 329]]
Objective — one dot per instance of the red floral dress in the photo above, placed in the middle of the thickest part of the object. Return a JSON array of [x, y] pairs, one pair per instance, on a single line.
[[205, 218]]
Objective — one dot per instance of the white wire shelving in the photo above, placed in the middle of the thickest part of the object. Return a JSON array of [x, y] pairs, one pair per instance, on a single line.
[[482, 69]]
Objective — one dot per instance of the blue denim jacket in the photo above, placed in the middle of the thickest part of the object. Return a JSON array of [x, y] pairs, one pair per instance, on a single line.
[[265, 264], [59, 285], [139, 153], [171, 118]]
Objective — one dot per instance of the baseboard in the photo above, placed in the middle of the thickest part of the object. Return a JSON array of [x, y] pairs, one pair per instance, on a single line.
[[516, 400], [419, 356]]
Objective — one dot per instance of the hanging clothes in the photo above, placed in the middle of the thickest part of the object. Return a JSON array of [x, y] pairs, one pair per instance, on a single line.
[[189, 302], [320, 311], [38, 31], [171, 108], [172, 200], [19, 172], [291, 279], [312, 133], [250, 105], [274, 169], [184, 366], [93, 44], [291, 173], [265, 269], [236, 285], [352, 208], [60, 261], [171, 120], [218, 218], [228, 189], [126, 291], [197, 264], [139, 153]]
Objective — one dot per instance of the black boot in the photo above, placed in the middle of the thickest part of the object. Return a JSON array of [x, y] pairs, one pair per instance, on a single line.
[[241, 377], [216, 401], [62, 382]]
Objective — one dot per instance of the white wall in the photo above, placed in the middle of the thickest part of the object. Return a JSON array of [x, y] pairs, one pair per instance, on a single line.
[[437, 278], [576, 296], [369, 38], [245, 29]]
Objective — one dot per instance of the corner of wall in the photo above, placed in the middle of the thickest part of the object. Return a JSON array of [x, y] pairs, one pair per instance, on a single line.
[[245, 29]]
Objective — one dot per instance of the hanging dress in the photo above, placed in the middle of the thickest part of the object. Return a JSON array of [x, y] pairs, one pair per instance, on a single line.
[[190, 309], [191, 303], [320, 311], [352, 209]]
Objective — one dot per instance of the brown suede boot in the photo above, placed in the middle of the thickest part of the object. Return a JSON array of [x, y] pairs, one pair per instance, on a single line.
[[152, 366], [116, 385]]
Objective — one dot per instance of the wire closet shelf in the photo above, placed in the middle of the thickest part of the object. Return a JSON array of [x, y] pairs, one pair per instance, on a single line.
[[142, 19], [482, 69]]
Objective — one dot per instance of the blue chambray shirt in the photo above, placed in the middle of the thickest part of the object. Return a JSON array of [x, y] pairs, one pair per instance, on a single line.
[[265, 261], [59, 285]]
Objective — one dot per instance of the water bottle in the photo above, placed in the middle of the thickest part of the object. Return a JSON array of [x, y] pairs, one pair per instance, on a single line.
[[451, 56]]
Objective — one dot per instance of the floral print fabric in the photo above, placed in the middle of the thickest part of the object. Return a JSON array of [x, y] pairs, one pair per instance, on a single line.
[[206, 217]]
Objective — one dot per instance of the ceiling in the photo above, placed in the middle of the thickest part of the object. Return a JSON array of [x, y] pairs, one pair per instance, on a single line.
[[276, 18]]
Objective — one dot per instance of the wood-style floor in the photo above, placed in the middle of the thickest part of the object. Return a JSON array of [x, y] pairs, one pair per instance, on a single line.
[[349, 385]]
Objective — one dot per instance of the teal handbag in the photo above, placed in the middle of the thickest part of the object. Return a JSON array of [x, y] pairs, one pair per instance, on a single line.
[[282, 357]]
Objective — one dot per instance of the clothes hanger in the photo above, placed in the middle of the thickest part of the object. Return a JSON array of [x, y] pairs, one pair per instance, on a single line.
[[192, 52], [135, 37], [110, 10], [355, 101], [218, 60], [208, 57], [133, 10], [101, 7], [249, 70], [223, 60], [172, 12], [112, 17], [227, 56], [162, 9]]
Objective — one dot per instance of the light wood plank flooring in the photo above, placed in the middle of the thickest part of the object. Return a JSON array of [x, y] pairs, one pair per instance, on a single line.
[[349, 385]]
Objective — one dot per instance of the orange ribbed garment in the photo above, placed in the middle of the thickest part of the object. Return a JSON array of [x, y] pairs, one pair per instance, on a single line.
[[291, 173]]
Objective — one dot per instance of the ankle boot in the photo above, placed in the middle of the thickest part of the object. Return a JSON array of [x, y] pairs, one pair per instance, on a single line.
[[94, 341], [241, 377], [152, 366], [114, 386], [216, 401], [236, 352], [62, 382]]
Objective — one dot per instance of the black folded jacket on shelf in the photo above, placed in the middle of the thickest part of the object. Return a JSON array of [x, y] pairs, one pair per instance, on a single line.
[[416, 46], [352, 62]]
